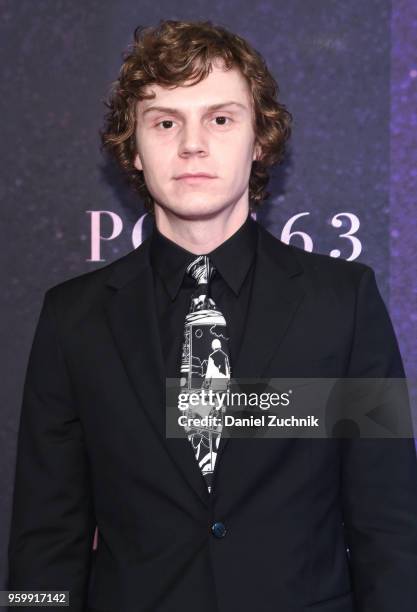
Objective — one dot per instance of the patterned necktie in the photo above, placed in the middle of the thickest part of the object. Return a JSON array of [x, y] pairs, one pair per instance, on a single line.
[[205, 364]]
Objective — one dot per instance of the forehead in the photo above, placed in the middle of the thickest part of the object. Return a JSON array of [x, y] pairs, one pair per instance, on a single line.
[[219, 86]]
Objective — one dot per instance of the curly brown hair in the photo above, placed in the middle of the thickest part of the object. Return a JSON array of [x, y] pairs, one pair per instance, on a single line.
[[172, 53]]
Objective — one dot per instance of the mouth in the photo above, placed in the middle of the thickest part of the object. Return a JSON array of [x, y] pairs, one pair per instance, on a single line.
[[194, 178]]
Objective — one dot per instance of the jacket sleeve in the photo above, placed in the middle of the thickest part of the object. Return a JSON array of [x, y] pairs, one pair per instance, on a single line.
[[379, 476], [52, 524]]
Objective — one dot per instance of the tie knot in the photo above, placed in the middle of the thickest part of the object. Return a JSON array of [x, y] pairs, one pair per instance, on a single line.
[[201, 269]]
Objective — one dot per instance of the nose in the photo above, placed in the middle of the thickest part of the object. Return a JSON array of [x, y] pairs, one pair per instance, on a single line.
[[193, 140]]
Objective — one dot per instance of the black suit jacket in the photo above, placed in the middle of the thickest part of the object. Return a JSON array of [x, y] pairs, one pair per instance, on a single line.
[[92, 451]]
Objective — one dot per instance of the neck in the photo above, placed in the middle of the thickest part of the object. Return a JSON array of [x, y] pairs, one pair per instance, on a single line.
[[200, 235]]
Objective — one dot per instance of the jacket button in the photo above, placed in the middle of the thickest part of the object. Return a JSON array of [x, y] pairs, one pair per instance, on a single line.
[[218, 530]]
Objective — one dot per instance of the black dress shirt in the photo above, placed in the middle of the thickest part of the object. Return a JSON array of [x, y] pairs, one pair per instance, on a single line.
[[230, 288]]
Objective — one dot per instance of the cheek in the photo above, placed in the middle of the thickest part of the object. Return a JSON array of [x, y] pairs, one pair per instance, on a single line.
[[238, 151], [238, 162], [157, 165]]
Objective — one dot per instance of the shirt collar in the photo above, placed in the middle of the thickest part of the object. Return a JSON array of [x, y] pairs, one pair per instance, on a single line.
[[232, 258]]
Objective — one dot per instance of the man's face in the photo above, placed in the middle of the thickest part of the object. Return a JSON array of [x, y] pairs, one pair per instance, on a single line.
[[190, 137]]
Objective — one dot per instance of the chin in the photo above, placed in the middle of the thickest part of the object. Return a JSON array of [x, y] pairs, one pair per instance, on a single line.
[[196, 209]]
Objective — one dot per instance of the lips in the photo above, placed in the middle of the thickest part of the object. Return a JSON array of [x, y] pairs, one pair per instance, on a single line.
[[189, 175]]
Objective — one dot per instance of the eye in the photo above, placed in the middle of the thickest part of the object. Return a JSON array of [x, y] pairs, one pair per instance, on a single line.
[[164, 121], [222, 117]]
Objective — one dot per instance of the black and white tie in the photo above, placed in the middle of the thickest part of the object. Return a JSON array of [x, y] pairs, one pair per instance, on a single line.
[[205, 364]]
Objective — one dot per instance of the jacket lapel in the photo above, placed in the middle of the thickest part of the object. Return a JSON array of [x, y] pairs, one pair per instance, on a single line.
[[131, 313], [274, 301]]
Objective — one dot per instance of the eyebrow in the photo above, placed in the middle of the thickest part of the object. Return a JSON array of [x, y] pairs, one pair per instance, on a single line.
[[175, 111]]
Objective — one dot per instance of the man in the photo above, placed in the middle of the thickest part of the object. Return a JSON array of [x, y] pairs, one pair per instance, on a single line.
[[204, 522]]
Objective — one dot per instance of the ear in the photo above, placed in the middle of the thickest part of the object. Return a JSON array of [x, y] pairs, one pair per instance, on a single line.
[[256, 153], [137, 162]]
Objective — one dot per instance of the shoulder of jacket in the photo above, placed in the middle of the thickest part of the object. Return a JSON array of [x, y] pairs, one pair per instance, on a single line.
[[87, 289]]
